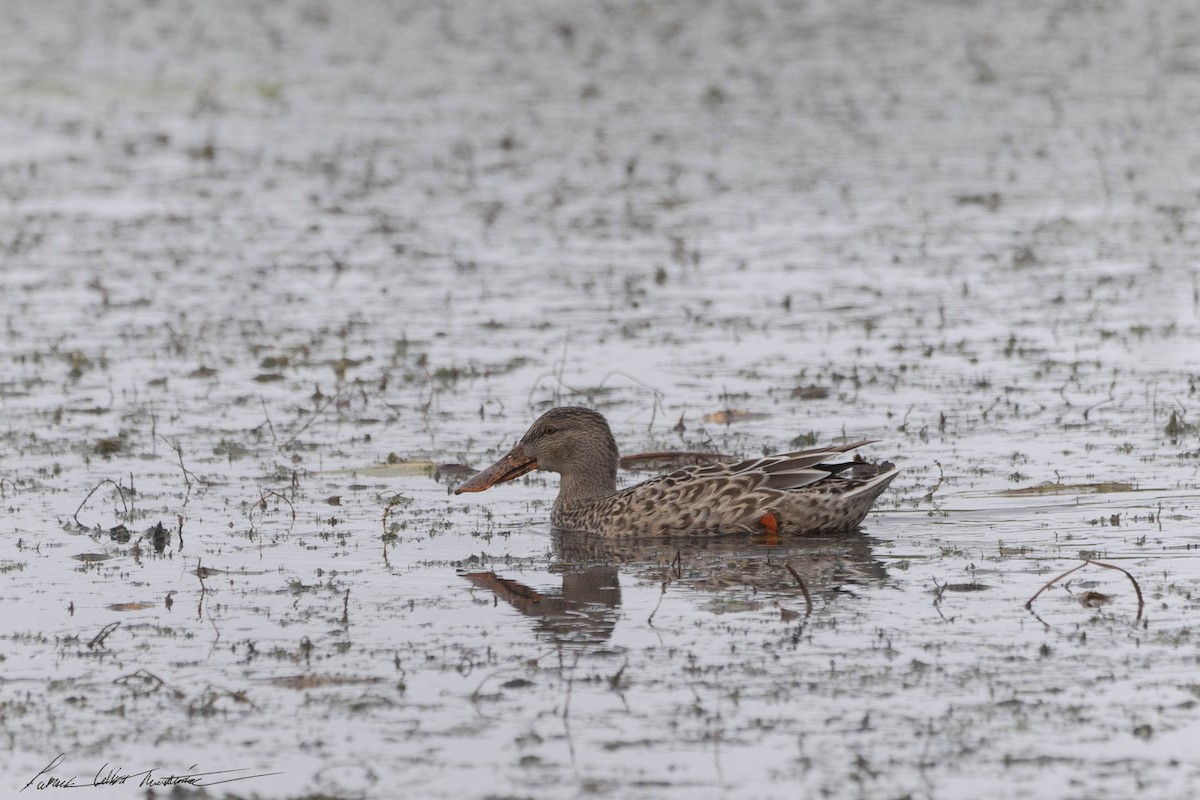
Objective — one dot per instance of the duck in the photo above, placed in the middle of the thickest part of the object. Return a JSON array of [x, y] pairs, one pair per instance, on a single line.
[[807, 492]]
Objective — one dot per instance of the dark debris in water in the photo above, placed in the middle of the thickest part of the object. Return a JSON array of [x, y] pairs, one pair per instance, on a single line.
[[1107, 487]]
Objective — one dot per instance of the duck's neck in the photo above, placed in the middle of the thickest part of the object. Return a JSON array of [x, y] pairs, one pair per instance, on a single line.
[[576, 488]]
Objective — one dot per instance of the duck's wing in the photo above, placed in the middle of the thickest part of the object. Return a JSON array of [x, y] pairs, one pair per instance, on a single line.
[[781, 472]]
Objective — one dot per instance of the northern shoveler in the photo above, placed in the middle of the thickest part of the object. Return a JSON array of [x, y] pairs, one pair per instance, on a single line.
[[793, 493]]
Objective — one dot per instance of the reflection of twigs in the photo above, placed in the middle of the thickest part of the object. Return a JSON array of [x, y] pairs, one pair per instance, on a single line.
[[387, 511], [267, 414], [149, 682], [262, 506], [1086, 561], [1045, 624], [10, 482], [477, 694], [937, 599], [203, 590], [200, 606], [928, 498], [120, 492], [98, 639], [650, 619], [206, 705], [808, 603], [346, 609], [570, 684], [567, 707], [676, 567]]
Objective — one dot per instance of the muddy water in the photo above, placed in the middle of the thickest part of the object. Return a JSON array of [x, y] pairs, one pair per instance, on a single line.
[[250, 252]]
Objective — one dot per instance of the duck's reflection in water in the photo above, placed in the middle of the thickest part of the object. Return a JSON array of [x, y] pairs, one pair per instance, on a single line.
[[797, 574], [584, 611]]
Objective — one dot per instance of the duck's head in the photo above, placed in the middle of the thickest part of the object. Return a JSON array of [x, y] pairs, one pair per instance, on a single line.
[[572, 441]]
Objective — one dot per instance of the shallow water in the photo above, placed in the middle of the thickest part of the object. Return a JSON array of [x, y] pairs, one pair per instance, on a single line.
[[249, 252]]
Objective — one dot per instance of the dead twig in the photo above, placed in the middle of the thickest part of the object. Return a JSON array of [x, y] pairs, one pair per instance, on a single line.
[[808, 603], [98, 639], [143, 681], [261, 504], [187, 473], [120, 492], [311, 419], [272, 493], [1051, 582], [1137, 589], [1086, 561]]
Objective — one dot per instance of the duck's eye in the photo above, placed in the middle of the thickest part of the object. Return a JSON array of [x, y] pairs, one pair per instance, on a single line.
[[549, 430]]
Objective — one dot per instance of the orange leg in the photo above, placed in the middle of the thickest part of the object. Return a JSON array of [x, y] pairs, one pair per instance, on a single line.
[[770, 525]]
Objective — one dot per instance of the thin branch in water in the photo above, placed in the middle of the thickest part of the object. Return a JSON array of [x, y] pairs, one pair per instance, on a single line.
[[261, 504], [937, 600], [941, 590], [272, 493], [312, 418], [120, 492], [187, 473], [397, 500], [10, 482], [1051, 582], [1086, 561], [143, 681], [98, 639], [1136, 588], [808, 603]]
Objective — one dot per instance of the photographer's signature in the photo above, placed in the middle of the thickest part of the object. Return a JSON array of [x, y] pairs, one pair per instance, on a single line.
[[109, 775]]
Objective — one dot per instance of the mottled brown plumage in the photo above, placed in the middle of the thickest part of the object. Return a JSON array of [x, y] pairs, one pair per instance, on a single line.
[[793, 493]]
